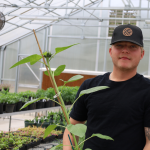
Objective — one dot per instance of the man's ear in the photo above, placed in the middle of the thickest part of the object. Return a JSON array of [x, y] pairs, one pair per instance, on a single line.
[[142, 54], [110, 50]]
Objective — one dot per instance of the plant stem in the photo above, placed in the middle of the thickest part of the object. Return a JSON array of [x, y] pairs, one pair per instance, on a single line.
[[62, 103], [56, 89], [85, 140]]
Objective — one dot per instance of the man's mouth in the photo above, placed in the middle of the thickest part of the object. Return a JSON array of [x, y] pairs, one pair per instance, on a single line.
[[125, 58]]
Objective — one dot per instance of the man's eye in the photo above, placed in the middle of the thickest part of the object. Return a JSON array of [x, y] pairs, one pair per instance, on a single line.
[[133, 46], [118, 46]]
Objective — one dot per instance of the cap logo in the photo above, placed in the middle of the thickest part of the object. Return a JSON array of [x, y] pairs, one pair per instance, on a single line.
[[127, 32]]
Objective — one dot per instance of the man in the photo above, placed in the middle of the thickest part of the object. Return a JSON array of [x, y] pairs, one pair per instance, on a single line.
[[121, 111]]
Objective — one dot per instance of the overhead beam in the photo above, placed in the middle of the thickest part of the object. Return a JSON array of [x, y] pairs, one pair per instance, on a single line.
[[84, 18], [81, 8]]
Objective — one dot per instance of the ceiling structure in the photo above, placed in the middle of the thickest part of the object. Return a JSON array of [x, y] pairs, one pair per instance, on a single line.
[[22, 16], [34, 8]]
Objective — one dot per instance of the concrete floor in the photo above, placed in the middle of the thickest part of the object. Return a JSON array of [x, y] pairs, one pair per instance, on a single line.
[[17, 122]]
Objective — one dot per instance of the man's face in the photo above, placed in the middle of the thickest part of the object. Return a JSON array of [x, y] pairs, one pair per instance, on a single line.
[[126, 49]]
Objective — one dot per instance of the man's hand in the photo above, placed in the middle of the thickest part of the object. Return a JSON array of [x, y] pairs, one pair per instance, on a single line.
[[147, 135], [65, 137]]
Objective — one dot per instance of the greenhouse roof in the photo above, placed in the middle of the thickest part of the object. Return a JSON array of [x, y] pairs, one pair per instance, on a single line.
[[15, 12], [22, 16]]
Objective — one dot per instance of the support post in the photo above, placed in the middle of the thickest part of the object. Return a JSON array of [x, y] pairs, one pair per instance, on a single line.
[[9, 123]]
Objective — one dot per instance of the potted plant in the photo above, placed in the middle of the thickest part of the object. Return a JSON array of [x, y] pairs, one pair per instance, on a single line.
[[5, 86], [25, 100], [29, 123], [19, 103], [2, 98], [41, 102], [50, 93], [10, 102]]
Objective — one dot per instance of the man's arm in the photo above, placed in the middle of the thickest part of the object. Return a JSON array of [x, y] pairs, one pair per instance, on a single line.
[[65, 136], [147, 135]]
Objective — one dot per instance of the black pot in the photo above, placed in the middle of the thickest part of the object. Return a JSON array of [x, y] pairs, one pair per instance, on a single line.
[[4, 107], [36, 143], [52, 138], [39, 104], [18, 106], [22, 148], [28, 146], [47, 104], [1, 108], [56, 104], [24, 108], [15, 107], [60, 136], [27, 123], [46, 140], [32, 106], [5, 89], [10, 108]]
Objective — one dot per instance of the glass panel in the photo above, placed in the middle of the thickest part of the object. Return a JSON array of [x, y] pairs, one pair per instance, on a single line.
[[29, 44], [101, 55], [109, 63], [12, 85], [26, 76], [144, 63], [80, 57], [10, 58]]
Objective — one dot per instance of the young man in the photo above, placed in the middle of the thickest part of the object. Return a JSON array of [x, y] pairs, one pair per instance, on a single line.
[[121, 111]]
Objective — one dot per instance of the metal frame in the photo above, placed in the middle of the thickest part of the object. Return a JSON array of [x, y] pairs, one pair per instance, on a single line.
[[68, 16], [80, 8]]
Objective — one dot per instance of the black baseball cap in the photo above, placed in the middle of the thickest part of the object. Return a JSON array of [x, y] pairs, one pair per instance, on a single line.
[[128, 33]]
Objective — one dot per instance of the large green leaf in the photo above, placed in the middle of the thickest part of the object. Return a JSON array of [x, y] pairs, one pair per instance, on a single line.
[[72, 79], [78, 129], [59, 70], [46, 73], [60, 49], [49, 129], [32, 59], [103, 136], [30, 102], [94, 89]]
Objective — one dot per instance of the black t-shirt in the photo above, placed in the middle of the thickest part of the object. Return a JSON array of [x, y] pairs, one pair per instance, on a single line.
[[120, 111]]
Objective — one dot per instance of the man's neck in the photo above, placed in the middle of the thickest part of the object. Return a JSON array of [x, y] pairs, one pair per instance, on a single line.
[[121, 75]]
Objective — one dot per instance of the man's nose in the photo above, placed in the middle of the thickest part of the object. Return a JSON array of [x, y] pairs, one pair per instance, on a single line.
[[125, 48]]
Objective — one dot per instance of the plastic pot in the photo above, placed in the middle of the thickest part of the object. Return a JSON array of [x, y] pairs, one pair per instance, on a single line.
[[60, 136], [1, 108], [24, 108], [56, 104], [47, 104], [4, 107], [22, 148], [18, 106], [32, 106], [27, 123], [39, 105], [5, 89], [10, 108]]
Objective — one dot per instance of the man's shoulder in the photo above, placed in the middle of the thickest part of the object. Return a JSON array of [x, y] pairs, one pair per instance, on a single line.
[[144, 80], [96, 81]]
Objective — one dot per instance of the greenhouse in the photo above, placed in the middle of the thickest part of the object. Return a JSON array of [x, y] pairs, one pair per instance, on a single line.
[[39, 91]]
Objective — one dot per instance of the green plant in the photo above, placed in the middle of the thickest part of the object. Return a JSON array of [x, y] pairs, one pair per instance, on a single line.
[[2, 98], [40, 93], [72, 128]]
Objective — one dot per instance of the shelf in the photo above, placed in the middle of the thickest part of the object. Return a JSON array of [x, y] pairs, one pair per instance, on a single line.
[[30, 111]]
